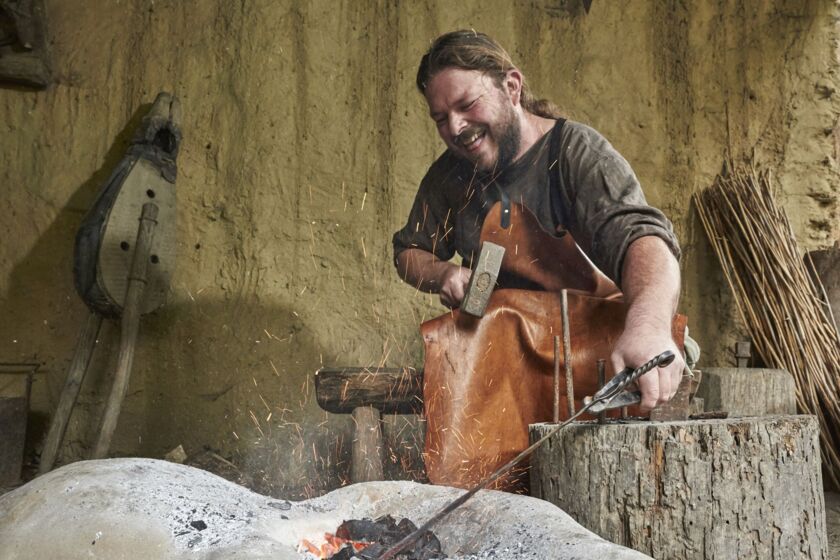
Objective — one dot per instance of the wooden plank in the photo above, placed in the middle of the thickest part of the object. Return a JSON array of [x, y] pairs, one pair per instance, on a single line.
[[15, 384], [13, 420], [390, 390], [704, 489]]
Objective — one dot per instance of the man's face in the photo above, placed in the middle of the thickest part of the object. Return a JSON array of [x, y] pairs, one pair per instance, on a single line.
[[474, 117]]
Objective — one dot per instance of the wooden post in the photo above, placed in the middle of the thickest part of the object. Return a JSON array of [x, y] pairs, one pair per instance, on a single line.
[[704, 489], [129, 326], [75, 376], [367, 445]]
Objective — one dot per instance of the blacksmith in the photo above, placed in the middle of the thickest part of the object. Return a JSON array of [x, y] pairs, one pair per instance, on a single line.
[[500, 139]]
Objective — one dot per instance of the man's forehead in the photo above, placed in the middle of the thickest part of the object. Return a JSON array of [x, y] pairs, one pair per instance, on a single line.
[[454, 85]]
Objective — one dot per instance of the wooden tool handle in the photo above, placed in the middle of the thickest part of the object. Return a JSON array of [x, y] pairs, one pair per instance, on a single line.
[[128, 327]]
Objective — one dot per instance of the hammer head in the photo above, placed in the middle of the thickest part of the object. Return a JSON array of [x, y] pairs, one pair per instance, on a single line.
[[483, 279]]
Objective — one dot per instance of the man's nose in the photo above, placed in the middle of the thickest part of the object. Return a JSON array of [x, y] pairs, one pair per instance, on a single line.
[[457, 124]]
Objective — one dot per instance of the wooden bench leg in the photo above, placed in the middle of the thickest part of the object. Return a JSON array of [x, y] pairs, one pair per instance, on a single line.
[[367, 445]]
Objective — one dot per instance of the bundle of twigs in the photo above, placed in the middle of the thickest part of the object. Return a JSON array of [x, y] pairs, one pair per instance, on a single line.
[[784, 309]]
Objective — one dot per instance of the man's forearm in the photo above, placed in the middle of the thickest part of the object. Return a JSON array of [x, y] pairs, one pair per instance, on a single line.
[[651, 284], [650, 281], [422, 269]]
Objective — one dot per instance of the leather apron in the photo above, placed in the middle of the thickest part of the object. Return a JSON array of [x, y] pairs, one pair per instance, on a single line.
[[486, 379]]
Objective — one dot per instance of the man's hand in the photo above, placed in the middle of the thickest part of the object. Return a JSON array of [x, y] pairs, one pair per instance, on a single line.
[[453, 287], [637, 346], [651, 286], [426, 272]]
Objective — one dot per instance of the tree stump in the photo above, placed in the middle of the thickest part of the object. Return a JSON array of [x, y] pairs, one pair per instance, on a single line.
[[748, 391], [711, 489]]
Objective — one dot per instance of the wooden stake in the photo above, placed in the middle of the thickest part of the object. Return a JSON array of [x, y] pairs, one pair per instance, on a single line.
[[75, 376], [567, 352], [556, 379], [602, 380], [129, 326]]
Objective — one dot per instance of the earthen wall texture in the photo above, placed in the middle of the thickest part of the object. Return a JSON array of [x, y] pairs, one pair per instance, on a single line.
[[304, 140]]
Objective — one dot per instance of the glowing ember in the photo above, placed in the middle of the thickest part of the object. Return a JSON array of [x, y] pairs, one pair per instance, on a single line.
[[367, 539], [332, 545]]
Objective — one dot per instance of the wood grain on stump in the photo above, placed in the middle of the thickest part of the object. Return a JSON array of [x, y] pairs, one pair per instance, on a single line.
[[712, 489]]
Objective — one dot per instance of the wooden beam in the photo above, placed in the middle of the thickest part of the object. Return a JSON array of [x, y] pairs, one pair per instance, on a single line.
[[26, 69], [25, 60], [390, 390]]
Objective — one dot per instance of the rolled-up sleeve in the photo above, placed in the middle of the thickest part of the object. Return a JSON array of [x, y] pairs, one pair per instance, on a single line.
[[431, 222], [609, 208]]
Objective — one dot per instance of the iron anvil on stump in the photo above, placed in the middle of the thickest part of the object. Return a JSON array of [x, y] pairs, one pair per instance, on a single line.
[[706, 489], [367, 393]]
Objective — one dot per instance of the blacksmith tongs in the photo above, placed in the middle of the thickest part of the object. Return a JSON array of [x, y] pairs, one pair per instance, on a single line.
[[612, 395]]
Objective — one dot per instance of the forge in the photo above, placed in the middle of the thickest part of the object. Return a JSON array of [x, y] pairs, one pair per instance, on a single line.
[[145, 508]]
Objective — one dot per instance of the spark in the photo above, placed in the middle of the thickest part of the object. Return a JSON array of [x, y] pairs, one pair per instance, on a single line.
[[268, 408]]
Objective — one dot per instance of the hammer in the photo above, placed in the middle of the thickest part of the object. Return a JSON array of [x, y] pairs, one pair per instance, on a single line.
[[483, 279]]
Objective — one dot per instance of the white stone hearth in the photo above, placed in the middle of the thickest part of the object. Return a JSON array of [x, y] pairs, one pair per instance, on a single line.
[[144, 508]]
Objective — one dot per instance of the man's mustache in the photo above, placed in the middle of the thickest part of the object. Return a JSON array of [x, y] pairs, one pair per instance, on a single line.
[[468, 133]]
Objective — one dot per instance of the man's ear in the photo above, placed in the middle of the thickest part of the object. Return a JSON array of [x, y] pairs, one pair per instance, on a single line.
[[513, 85]]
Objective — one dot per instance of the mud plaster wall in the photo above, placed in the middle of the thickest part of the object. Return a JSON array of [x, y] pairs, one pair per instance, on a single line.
[[303, 143]]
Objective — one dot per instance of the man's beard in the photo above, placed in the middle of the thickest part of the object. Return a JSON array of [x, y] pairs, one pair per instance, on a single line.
[[508, 137]]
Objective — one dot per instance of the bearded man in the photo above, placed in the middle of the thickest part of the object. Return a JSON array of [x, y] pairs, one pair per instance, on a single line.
[[502, 143]]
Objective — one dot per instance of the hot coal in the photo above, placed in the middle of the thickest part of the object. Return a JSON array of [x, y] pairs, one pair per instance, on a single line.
[[383, 533]]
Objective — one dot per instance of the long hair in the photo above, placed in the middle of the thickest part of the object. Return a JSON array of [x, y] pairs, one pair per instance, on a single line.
[[470, 50]]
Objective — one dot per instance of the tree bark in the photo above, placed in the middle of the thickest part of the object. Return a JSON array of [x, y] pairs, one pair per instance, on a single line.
[[711, 489]]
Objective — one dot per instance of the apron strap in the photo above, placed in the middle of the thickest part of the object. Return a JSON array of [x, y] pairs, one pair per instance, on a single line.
[[554, 171]]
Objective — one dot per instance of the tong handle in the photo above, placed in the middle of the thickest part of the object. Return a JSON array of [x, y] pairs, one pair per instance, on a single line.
[[613, 395]]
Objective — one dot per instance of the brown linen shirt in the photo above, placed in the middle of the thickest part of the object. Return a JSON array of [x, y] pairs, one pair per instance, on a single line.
[[600, 201]]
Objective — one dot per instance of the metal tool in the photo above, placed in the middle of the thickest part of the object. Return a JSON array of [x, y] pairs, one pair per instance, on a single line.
[[483, 279], [613, 395], [606, 394]]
